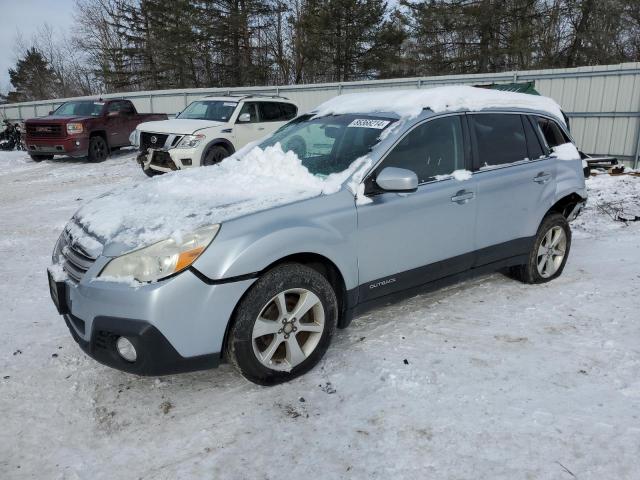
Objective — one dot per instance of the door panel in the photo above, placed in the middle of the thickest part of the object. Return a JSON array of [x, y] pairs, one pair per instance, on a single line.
[[408, 239], [401, 237], [514, 192]]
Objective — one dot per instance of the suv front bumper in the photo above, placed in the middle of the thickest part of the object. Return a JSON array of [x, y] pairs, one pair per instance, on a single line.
[[169, 160], [176, 325]]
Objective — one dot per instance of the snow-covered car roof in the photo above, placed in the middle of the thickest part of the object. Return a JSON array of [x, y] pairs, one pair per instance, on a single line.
[[409, 104]]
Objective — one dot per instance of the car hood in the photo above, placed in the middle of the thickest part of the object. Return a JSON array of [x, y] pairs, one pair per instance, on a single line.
[[178, 125], [179, 202]]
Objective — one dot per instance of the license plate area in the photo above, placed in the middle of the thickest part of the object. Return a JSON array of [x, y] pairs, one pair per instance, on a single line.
[[58, 291]]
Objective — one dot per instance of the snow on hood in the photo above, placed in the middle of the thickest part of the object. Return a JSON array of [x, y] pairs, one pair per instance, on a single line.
[[182, 126], [182, 201], [409, 103]]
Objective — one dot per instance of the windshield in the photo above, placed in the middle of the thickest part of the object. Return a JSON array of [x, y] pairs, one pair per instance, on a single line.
[[215, 110], [329, 144], [79, 109]]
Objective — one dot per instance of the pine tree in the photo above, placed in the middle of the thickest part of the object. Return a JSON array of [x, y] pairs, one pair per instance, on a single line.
[[32, 79]]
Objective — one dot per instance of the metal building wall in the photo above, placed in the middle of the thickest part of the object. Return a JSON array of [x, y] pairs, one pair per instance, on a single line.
[[603, 103]]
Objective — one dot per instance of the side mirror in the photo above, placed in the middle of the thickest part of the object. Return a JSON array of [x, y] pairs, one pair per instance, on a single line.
[[393, 179], [244, 118]]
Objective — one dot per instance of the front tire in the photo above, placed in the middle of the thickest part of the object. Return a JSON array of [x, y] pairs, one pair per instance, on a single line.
[[214, 155], [549, 253], [98, 149], [283, 325]]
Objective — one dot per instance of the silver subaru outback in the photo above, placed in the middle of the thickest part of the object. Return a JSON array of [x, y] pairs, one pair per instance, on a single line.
[[370, 198]]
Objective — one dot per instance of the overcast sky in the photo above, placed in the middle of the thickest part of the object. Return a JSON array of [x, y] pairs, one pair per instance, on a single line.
[[26, 16]]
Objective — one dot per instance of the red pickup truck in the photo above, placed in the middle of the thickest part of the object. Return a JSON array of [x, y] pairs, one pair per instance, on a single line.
[[84, 128]]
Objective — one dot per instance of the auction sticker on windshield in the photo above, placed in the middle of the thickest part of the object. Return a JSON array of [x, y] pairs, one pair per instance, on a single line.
[[368, 123]]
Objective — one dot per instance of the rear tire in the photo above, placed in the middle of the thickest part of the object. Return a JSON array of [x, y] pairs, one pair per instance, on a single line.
[[549, 253], [39, 158], [283, 325], [98, 149], [214, 155]]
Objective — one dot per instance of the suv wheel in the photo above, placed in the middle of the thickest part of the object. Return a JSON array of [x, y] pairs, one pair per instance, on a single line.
[[284, 325], [98, 149], [549, 253], [214, 155]]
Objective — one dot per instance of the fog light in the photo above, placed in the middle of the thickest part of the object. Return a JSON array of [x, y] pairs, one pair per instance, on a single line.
[[77, 143], [186, 161], [126, 349]]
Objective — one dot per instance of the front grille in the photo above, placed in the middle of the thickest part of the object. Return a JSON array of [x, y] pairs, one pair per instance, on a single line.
[[163, 159], [42, 130], [146, 140], [77, 260]]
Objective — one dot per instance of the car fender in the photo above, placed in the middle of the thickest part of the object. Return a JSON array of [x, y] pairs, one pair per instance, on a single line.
[[251, 244]]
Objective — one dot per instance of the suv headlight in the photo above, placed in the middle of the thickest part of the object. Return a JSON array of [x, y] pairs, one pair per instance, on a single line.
[[74, 128], [161, 259], [190, 141], [134, 138]]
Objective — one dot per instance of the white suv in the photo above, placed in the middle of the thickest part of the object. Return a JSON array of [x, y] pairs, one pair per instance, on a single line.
[[208, 130]]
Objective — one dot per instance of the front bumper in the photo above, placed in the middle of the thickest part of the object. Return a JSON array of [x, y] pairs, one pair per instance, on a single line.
[[169, 160], [155, 354], [176, 325], [77, 146]]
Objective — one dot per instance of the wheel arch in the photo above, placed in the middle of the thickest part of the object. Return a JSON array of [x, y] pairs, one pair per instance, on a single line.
[[100, 133], [226, 143], [566, 204], [325, 267]]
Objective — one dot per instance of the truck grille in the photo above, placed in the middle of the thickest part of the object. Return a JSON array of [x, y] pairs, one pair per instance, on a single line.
[[146, 140], [45, 130], [77, 260]]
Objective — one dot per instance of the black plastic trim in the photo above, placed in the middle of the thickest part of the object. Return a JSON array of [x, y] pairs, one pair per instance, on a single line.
[[222, 281], [156, 356]]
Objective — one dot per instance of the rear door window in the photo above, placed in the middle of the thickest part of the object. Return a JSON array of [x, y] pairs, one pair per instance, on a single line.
[[288, 110], [271, 112], [433, 148], [500, 138]]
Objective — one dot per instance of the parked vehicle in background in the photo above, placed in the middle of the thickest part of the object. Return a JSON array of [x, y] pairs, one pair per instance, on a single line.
[[209, 130], [10, 137], [84, 128], [367, 199]]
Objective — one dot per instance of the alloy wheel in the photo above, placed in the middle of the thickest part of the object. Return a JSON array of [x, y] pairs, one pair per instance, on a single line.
[[288, 329], [551, 252]]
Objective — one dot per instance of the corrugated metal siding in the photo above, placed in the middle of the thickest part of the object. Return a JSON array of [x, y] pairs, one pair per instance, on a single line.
[[602, 102]]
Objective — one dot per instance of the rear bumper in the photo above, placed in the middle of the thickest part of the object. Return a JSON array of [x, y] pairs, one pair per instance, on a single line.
[[155, 355], [71, 146]]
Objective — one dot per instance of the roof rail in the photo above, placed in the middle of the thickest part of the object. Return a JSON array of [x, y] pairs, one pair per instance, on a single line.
[[249, 95]]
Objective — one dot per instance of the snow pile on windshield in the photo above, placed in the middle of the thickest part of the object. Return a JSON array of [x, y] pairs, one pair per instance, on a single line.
[[409, 103], [566, 151], [182, 201]]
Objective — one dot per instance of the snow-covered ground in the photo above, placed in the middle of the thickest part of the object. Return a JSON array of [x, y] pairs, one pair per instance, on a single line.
[[487, 379]]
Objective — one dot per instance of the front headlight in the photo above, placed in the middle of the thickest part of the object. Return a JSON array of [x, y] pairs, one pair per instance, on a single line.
[[190, 141], [134, 138], [161, 259], [74, 128]]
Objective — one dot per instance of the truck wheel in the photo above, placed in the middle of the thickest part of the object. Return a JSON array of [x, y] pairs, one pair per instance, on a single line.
[[283, 325], [98, 149], [214, 155], [39, 158], [549, 253]]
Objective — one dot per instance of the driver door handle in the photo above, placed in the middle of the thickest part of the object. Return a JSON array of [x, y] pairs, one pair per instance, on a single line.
[[542, 177], [462, 197]]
